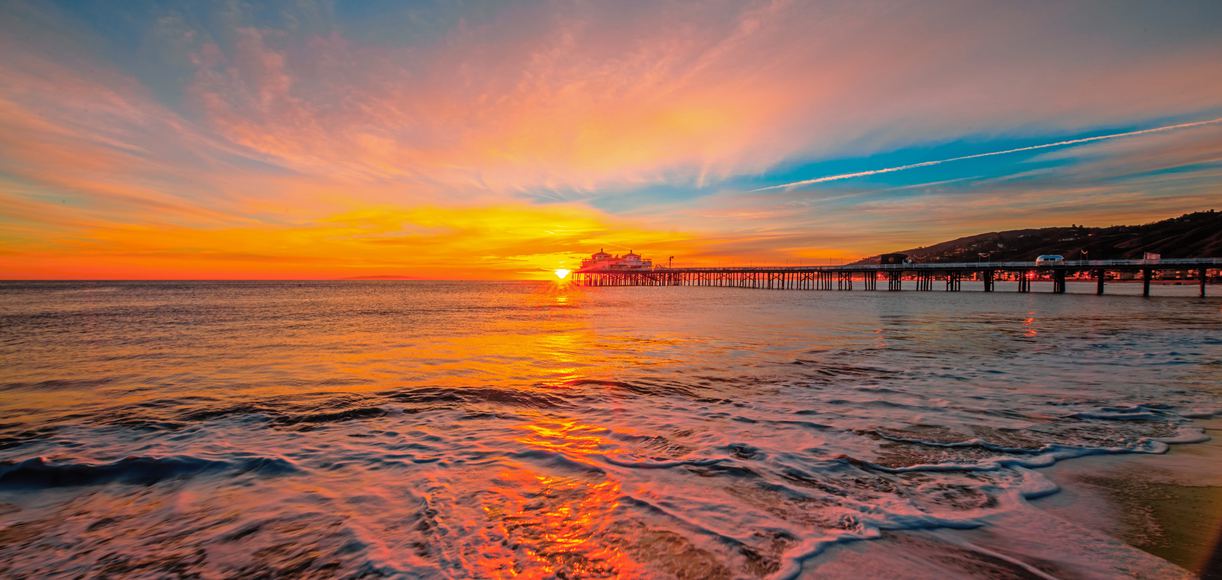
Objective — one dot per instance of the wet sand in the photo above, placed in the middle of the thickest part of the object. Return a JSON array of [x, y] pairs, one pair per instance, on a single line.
[[1136, 516], [1168, 505]]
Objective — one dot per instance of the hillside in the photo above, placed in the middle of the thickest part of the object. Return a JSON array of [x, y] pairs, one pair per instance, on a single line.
[[1191, 235]]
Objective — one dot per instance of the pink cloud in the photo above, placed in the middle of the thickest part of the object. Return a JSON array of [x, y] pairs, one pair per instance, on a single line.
[[585, 98]]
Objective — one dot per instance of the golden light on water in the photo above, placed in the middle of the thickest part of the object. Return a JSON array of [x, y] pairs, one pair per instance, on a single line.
[[562, 273]]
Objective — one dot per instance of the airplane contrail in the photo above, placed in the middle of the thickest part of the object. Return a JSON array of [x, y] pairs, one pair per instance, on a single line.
[[841, 176]]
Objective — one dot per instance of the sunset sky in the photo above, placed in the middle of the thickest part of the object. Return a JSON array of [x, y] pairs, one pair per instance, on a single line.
[[306, 139]]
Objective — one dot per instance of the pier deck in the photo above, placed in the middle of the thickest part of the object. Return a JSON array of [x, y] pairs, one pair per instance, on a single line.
[[868, 275]]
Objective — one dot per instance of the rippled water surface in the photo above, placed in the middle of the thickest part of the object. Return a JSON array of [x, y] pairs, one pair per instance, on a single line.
[[498, 429]]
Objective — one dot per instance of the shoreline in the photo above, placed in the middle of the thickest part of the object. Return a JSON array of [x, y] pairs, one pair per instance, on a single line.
[[1126, 515], [1168, 505]]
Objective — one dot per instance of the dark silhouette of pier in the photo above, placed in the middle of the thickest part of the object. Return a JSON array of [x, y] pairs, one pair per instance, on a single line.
[[868, 276]]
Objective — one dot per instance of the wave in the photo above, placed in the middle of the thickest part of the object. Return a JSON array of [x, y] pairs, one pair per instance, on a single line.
[[662, 464], [316, 410], [476, 395], [1031, 485], [1143, 412], [1043, 457], [640, 387], [39, 473], [974, 442], [56, 384], [338, 416]]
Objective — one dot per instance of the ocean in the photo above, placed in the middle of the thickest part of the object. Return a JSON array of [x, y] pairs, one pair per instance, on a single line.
[[497, 429]]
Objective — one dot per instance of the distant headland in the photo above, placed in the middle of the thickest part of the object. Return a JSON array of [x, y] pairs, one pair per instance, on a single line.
[[1192, 234]]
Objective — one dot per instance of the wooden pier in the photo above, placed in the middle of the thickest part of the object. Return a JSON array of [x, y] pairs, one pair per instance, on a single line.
[[926, 276]]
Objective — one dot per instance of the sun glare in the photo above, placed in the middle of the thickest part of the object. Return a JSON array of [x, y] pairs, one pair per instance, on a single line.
[[562, 273]]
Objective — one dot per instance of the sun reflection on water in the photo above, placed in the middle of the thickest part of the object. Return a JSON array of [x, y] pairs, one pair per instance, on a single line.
[[1029, 326], [557, 525], [566, 436], [558, 521]]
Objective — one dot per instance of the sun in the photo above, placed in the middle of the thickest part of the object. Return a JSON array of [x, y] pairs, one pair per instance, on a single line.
[[562, 273]]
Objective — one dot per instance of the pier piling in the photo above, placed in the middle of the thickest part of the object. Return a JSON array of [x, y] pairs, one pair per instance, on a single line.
[[1058, 281]]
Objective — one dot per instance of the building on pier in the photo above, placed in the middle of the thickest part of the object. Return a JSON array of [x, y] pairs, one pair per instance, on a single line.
[[603, 262]]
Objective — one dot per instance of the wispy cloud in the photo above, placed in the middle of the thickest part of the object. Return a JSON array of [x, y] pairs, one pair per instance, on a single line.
[[1065, 143]]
